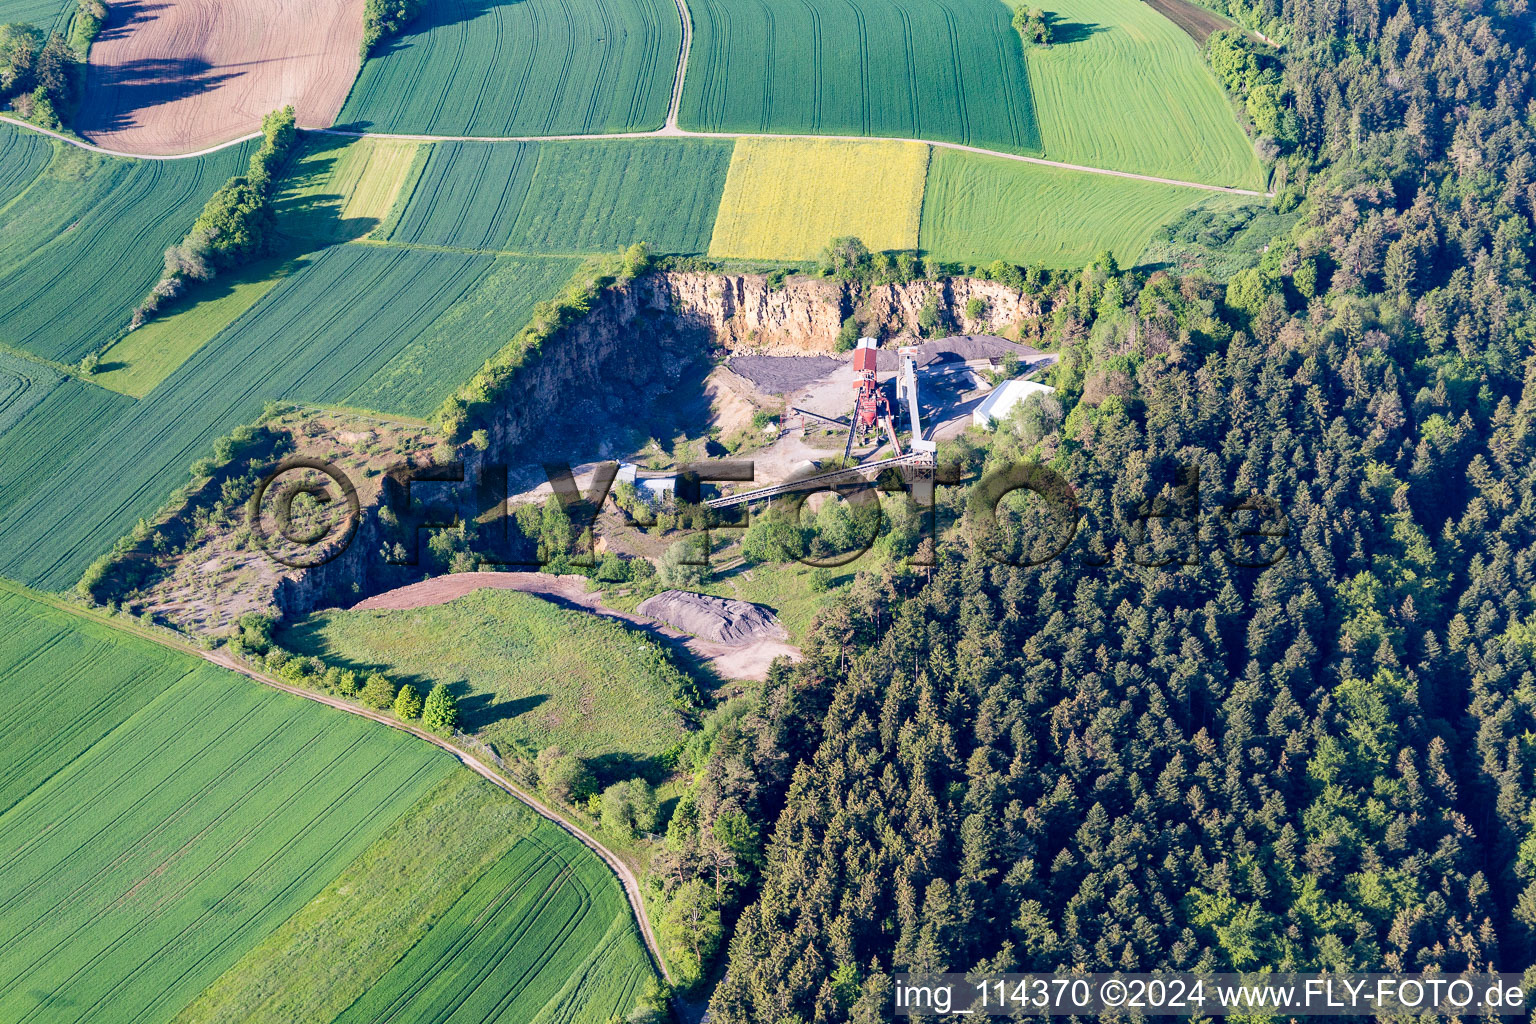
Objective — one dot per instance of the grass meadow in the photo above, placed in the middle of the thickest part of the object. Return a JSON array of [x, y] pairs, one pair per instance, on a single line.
[[933, 69], [1126, 89], [980, 208], [568, 197], [529, 67], [167, 815], [529, 674], [786, 198]]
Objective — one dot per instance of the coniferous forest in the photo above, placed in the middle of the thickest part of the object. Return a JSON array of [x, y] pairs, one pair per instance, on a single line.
[[1155, 751]]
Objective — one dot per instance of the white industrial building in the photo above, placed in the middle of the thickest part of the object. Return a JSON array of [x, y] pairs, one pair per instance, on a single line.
[[1003, 398]]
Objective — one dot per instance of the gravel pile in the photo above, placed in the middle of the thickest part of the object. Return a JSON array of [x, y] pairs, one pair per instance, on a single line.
[[729, 622], [780, 375]]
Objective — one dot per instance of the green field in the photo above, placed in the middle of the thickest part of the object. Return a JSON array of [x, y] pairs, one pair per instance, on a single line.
[[84, 240], [1126, 89], [336, 189], [23, 155], [522, 67], [166, 815], [334, 950], [533, 674], [981, 208], [23, 383], [416, 380], [933, 69], [509, 950], [47, 14], [570, 197], [317, 336], [787, 198], [142, 359]]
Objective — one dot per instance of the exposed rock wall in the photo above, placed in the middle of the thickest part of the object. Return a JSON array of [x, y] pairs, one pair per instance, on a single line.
[[630, 334]]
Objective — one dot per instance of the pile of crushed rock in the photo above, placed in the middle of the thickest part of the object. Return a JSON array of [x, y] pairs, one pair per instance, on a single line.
[[722, 620]]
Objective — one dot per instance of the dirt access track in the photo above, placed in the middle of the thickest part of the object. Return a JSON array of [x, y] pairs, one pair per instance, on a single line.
[[169, 77]]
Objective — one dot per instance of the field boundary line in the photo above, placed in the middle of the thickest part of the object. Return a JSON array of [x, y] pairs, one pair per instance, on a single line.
[[626, 877], [673, 132], [82, 144]]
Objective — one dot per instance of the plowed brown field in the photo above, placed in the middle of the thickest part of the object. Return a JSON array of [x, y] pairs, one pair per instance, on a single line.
[[178, 76]]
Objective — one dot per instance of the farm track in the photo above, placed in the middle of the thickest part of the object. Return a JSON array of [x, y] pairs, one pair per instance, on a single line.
[[626, 877], [672, 131]]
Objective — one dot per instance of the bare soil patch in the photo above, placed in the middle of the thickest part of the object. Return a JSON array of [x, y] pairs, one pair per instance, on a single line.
[[1197, 22], [178, 76]]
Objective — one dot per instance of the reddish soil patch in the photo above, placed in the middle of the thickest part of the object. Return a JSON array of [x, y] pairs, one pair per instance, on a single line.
[[179, 76], [746, 662], [1198, 22]]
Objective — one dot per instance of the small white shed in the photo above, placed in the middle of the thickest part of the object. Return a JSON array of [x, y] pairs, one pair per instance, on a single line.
[[1004, 397]]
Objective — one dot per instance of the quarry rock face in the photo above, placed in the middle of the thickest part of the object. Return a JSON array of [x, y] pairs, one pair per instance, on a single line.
[[722, 620], [740, 312]]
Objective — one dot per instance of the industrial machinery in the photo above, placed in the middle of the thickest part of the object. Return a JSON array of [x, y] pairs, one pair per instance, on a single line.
[[871, 409]]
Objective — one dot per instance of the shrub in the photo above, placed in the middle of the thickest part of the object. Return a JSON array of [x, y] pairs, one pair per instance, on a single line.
[[385, 18], [407, 703], [441, 712], [629, 806], [378, 691], [975, 308], [564, 777]]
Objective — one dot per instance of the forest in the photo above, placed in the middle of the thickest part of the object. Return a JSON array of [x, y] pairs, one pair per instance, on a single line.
[[1153, 751]]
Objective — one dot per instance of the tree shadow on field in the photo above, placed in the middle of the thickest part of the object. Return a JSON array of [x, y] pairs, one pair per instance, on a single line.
[[114, 93], [618, 766], [1064, 33], [478, 711], [309, 215]]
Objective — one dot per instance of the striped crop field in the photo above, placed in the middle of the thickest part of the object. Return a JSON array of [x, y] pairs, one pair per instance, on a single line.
[[337, 189], [951, 70], [568, 197], [522, 67], [51, 15], [185, 815], [418, 876], [137, 363], [983, 208], [84, 240], [1126, 89], [23, 383], [545, 935], [787, 198], [316, 337], [422, 373], [23, 155]]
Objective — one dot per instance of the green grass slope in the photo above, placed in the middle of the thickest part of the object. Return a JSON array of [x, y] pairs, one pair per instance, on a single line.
[[937, 69], [530, 674], [316, 337], [568, 197], [1125, 88], [169, 817], [522, 67], [977, 209], [85, 240]]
